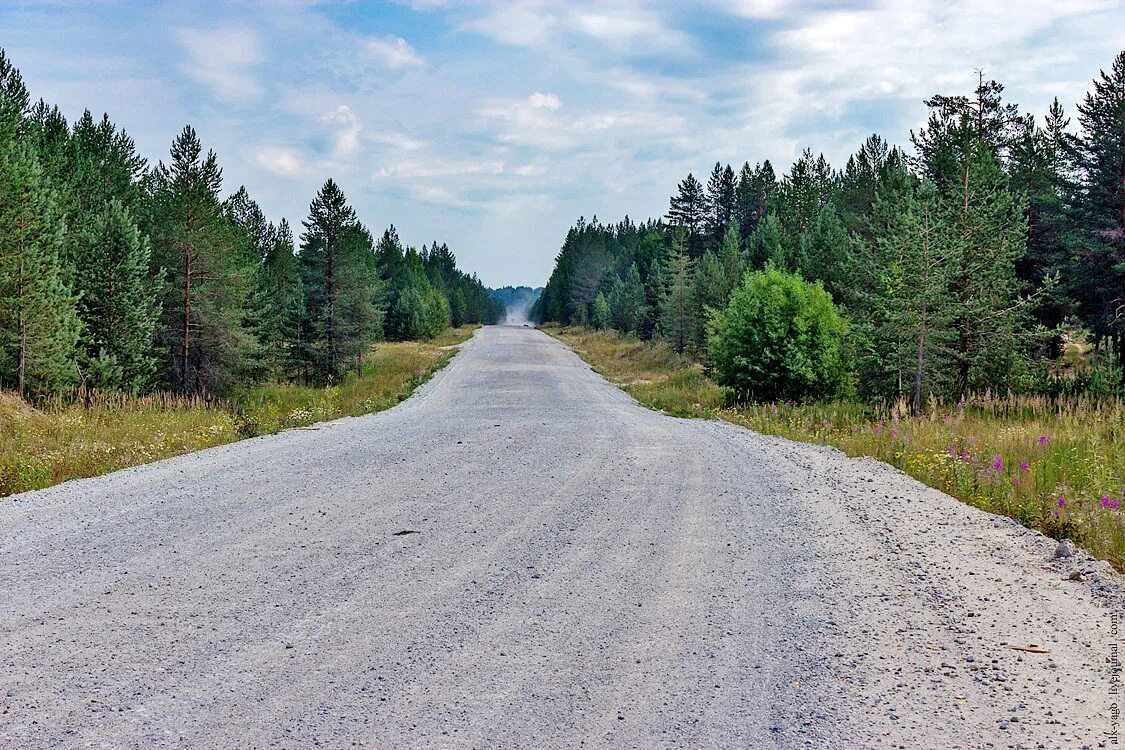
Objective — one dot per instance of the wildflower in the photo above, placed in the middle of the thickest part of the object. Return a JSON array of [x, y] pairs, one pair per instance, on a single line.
[[1043, 440], [1024, 466], [1015, 481], [964, 456], [997, 463], [894, 432], [951, 450], [1062, 502], [1110, 504]]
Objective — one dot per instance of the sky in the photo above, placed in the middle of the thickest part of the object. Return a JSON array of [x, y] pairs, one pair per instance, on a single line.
[[494, 126]]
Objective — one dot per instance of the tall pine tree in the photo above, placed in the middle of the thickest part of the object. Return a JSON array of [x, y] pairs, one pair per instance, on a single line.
[[203, 329]]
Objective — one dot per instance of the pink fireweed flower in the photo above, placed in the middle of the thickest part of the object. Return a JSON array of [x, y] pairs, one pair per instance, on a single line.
[[1024, 466], [964, 456], [1062, 502], [1043, 440], [997, 463], [1110, 504]]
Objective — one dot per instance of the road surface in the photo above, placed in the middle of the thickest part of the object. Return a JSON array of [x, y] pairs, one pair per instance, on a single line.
[[520, 556]]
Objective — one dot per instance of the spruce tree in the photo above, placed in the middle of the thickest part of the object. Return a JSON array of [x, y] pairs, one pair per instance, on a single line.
[[716, 276], [720, 205], [601, 318], [14, 102], [627, 302], [755, 186], [338, 279], [824, 254], [281, 336], [1099, 154], [799, 197], [39, 324], [1039, 170], [119, 302], [769, 244], [677, 323]]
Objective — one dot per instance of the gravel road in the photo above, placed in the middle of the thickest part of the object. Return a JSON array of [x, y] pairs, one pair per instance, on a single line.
[[520, 556]]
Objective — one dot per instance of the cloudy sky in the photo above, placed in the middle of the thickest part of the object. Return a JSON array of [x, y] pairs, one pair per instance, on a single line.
[[492, 126]]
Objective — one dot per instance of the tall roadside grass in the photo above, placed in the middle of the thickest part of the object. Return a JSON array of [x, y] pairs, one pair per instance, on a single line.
[[649, 371], [1056, 465], [86, 433]]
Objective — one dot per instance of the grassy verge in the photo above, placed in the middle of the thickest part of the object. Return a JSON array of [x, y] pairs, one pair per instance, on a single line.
[[1054, 466], [101, 433]]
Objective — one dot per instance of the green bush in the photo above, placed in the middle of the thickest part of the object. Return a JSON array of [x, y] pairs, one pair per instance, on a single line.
[[779, 337]]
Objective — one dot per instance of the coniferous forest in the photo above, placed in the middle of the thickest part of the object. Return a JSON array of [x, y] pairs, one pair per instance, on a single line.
[[124, 276], [987, 255]]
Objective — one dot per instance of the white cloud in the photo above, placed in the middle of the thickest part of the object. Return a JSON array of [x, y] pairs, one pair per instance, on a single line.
[[223, 59], [544, 101], [525, 24], [620, 25], [391, 52], [438, 167], [755, 8], [347, 127], [438, 196], [283, 162]]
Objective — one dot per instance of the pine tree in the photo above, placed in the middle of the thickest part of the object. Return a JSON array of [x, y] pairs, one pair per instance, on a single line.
[[39, 325], [203, 330], [958, 124], [907, 322], [687, 210], [677, 303], [119, 302], [988, 227]]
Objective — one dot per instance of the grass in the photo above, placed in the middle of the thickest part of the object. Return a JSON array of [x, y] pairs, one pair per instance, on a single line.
[[96, 433], [1054, 465]]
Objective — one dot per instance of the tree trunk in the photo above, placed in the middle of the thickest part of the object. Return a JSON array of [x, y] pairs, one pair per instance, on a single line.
[[21, 366], [185, 344], [964, 297], [916, 406]]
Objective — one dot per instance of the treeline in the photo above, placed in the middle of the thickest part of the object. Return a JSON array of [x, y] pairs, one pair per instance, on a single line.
[[968, 263], [122, 277]]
